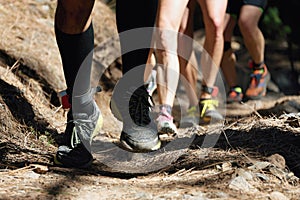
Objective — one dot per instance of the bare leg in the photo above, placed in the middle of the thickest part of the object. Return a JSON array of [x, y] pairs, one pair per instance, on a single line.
[[229, 59], [255, 43], [187, 59], [168, 20], [149, 65], [213, 16], [253, 37], [73, 17]]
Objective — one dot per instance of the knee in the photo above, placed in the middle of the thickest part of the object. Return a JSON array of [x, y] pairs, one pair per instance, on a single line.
[[73, 16], [215, 27], [67, 7], [246, 25], [71, 10]]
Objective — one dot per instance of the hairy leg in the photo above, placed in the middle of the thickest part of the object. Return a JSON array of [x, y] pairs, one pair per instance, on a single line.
[[252, 35]]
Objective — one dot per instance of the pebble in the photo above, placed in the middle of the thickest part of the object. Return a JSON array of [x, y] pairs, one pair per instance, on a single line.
[[278, 196], [245, 174], [240, 183], [259, 166], [277, 160]]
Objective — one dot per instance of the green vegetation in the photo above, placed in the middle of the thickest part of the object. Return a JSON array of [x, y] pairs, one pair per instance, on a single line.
[[272, 25]]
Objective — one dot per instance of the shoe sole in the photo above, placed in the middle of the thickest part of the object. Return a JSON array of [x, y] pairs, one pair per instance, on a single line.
[[234, 101], [140, 147], [127, 147], [168, 131], [60, 164]]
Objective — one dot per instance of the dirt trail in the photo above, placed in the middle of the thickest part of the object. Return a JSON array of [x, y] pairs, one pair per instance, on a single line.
[[255, 155]]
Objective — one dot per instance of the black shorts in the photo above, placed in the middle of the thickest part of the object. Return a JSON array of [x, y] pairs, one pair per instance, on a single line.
[[234, 6]]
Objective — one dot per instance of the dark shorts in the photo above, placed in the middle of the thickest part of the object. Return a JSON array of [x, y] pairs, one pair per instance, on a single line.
[[234, 6]]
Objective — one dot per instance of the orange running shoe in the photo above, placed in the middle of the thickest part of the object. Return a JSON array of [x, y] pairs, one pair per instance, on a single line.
[[258, 82]]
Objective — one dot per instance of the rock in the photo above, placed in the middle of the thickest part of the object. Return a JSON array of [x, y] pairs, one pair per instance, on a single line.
[[245, 174], [262, 176], [226, 166], [39, 169], [277, 160], [278, 196], [240, 183], [279, 173], [31, 175], [259, 166]]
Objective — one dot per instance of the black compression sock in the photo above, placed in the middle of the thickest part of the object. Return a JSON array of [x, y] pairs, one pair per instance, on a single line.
[[131, 15], [74, 50]]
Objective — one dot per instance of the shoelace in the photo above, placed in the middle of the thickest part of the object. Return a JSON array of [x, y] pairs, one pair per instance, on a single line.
[[81, 125], [75, 139], [208, 104]]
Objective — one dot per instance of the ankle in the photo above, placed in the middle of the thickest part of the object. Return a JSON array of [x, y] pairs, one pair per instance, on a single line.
[[166, 107], [257, 65], [208, 92]]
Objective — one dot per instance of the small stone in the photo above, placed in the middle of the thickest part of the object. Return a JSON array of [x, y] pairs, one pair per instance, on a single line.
[[277, 160], [245, 174], [262, 176], [278, 196], [259, 166], [240, 183], [279, 173], [31, 175], [226, 166], [222, 195], [40, 169]]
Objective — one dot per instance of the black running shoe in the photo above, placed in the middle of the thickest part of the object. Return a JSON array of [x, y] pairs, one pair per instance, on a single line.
[[139, 133], [81, 130], [77, 157]]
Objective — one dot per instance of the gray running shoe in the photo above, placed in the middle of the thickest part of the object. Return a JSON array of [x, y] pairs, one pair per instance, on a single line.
[[139, 133], [77, 153]]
